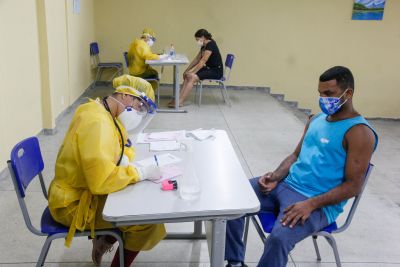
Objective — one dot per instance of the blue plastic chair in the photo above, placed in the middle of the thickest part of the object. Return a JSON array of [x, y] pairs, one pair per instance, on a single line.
[[25, 164], [101, 66], [227, 73], [157, 80], [267, 221]]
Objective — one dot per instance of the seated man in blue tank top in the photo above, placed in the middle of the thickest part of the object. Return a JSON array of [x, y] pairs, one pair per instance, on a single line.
[[310, 187]]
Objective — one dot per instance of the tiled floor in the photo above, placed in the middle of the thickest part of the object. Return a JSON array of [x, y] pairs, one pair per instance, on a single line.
[[263, 132]]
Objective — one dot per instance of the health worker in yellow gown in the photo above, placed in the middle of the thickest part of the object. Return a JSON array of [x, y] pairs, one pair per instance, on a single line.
[[140, 51], [95, 159]]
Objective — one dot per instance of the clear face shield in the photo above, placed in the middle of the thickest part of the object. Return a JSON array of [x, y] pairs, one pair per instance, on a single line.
[[136, 118]]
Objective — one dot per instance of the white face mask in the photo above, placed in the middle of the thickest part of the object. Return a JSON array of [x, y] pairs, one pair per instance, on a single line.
[[150, 42], [200, 43], [130, 118]]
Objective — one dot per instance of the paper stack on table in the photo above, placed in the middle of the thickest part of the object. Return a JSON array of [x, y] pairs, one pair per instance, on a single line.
[[165, 146], [160, 136], [169, 172], [163, 160], [166, 162]]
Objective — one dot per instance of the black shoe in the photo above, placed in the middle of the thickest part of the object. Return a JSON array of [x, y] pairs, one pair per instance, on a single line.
[[229, 265]]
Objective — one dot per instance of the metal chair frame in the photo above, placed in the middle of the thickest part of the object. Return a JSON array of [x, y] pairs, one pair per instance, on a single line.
[[20, 185], [327, 232], [101, 66], [221, 82]]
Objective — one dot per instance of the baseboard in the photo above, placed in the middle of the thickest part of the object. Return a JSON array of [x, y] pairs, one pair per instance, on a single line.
[[279, 97], [46, 131], [382, 119]]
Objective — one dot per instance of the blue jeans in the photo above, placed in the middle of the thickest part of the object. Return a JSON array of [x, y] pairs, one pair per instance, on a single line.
[[282, 239]]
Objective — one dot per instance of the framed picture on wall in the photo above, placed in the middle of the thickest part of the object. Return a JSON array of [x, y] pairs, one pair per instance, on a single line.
[[368, 9]]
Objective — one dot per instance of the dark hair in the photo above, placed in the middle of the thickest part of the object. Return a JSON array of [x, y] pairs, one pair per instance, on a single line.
[[343, 76], [203, 33]]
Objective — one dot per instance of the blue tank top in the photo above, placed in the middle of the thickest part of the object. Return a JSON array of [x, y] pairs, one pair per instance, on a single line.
[[321, 164]]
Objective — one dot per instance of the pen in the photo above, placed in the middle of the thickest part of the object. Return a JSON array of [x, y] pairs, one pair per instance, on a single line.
[[155, 158]]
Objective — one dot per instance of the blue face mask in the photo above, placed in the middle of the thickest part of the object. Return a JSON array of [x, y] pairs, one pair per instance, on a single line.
[[331, 105]]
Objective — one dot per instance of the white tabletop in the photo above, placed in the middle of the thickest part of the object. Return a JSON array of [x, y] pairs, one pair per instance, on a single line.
[[225, 190], [176, 60]]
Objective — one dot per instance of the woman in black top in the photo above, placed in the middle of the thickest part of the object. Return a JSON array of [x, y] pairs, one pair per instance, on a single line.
[[206, 65]]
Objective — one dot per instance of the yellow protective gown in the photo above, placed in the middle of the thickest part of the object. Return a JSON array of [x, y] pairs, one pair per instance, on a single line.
[[86, 172], [138, 53]]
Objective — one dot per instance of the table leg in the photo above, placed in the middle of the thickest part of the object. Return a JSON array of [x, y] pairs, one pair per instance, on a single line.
[[174, 82], [218, 243], [176, 94], [176, 86], [198, 229]]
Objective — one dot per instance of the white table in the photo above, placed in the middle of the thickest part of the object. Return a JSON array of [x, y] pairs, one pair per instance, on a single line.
[[225, 194], [176, 62]]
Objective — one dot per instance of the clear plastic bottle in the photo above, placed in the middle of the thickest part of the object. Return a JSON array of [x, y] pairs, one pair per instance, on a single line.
[[189, 185], [171, 51]]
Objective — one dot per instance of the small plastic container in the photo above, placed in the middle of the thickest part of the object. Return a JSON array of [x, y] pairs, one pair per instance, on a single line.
[[189, 185]]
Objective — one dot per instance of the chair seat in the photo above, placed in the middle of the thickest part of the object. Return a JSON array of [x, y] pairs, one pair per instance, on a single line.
[[110, 64], [214, 80], [268, 219], [330, 228], [49, 226], [151, 79]]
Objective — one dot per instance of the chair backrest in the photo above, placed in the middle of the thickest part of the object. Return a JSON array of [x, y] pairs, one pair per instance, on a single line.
[[229, 60], [94, 54], [94, 49], [126, 59], [356, 200], [228, 66], [25, 164]]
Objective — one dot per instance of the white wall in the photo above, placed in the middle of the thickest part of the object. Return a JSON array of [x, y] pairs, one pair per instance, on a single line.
[[20, 84], [278, 43]]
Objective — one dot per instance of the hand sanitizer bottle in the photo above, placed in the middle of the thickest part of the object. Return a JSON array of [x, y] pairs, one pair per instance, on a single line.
[[172, 52]]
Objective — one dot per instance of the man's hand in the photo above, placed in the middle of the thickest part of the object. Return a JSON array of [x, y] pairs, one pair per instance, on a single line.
[[298, 211], [266, 183]]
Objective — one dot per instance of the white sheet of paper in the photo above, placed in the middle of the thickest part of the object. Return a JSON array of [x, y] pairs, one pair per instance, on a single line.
[[163, 159], [165, 146], [169, 172], [141, 138], [144, 138], [166, 136]]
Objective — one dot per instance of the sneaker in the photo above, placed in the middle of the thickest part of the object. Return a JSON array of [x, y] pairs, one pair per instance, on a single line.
[[100, 247]]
